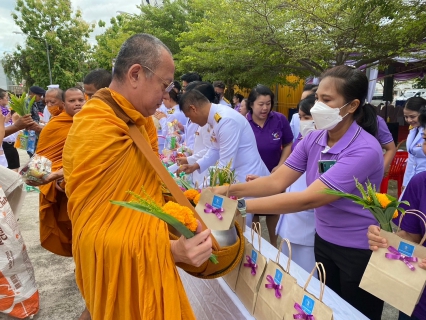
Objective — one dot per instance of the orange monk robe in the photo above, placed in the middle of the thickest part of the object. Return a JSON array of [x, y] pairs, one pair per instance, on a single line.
[[55, 225], [124, 265]]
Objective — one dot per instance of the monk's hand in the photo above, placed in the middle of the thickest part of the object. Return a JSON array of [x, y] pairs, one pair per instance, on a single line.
[[159, 115], [23, 122], [194, 251], [182, 161], [59, 174], [374, 239], [188, 168], [35, 127]]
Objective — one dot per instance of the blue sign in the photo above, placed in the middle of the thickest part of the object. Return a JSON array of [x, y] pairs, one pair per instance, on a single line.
[[254, 256], [278, 276], [406, 249], [217, 202], [308, 305]]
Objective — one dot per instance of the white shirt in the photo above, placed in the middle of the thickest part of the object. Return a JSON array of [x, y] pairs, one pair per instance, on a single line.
[[223, 102], [201, 145], [190, 130], [46, 115], [233, 139], [171, 115]]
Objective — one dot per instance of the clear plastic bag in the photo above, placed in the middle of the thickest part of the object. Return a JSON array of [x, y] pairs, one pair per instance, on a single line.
[[36, 169]]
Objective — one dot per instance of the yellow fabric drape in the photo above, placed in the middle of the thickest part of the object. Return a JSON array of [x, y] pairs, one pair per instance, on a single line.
[[55, 225], [124, 266]]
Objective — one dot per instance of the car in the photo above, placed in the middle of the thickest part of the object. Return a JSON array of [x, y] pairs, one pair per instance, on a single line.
[[400, 101]]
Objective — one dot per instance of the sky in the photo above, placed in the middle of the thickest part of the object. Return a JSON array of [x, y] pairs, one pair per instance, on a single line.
[[93, 11]]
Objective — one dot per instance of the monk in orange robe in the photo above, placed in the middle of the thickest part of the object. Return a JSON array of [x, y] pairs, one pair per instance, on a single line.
[[55, 225], [125, 262]]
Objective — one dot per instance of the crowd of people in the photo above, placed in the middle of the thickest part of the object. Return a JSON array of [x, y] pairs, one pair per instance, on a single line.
[[124, 262]]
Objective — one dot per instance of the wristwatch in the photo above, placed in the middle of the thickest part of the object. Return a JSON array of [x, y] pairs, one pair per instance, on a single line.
[[242, 207]]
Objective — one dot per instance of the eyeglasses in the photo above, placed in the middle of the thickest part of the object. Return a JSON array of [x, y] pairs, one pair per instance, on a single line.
[[169, 87]]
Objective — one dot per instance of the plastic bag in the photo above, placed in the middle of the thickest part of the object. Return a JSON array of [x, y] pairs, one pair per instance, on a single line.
[[36, 169], [18, 291]]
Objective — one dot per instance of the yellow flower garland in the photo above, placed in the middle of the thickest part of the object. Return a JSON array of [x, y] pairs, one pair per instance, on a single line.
[[181, 213]]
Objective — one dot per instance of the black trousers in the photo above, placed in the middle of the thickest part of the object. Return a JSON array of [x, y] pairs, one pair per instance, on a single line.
[[344, 268], [12, 155]]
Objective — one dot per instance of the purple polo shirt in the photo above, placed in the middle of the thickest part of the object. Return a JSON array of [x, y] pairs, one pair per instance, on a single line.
[[276, 132], [357, 154], [383, 134], [415, 195]]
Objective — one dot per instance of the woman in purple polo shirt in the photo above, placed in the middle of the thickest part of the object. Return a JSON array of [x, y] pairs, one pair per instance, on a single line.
[[331, 157], [273, 138], [412, 228]]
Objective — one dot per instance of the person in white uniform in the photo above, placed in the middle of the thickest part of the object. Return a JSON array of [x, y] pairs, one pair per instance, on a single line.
[[231, 136], [308, 89], [414, 107], [219, 88]]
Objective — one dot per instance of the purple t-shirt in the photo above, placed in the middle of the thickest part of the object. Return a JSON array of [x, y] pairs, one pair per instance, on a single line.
[[415, 195], [276, 132], [383, 134], [357, 155]]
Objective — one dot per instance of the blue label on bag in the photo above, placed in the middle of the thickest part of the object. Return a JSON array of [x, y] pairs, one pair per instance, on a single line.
[[217, 202], [308, 305], [406, 249], [278, 276], [253, 256]]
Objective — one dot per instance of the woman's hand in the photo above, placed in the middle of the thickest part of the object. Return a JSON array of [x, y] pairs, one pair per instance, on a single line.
[[251, 177], [194, 251], [181, 161], [374, 239]]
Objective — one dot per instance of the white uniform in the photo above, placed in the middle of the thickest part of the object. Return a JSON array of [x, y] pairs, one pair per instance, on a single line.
[[416, 158], [223, 102], [295, 126], [201, 145], [232, 138], [190, 130]]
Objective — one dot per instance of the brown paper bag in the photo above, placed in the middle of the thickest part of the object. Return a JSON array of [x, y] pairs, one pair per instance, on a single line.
[[304, 304], [251, 272], [270, 303], [232, 277], [393, 281], [212, 220]]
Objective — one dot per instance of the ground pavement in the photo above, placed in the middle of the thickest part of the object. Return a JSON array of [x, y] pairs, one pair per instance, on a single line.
[[59, 295]]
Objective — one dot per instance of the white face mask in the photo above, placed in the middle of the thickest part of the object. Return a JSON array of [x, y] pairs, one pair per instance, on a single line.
[[326, 118], [306, 126]]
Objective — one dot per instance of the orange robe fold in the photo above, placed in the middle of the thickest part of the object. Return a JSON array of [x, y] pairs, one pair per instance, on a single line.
[[55, 225], [124, 265]]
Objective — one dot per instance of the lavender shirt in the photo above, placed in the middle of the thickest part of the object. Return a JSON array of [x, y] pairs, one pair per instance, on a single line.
[[276, 132], [383, 134], [415, 195], [357, 154]]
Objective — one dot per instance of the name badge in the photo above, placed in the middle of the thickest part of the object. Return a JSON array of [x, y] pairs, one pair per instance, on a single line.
[[308, 305], [253, 256], [217, 202], [278, 276], [406, 249], [325, 165]]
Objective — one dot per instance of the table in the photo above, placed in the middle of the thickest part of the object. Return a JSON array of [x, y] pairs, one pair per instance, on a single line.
[[213, 299]]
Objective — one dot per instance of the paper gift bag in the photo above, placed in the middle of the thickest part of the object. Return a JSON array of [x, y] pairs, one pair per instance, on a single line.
[[276, 288], [392, 274], [216, 211], [251, 272], [302, 304]]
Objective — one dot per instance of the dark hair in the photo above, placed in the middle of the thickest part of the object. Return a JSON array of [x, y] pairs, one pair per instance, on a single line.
[[190, 77], [415, 104], [422, 117], [192, 97], [259, 90], [2, 93], [59, 93], [175, 96], [240, 97], [100, 78], [177, 86], [141, 48], [306, 104], [310, 87], [352, 84], [206, 89], [219, 84], [64, 93]]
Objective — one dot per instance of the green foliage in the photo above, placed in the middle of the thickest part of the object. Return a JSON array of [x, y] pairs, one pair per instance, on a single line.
[[50, 22], [20, 104]]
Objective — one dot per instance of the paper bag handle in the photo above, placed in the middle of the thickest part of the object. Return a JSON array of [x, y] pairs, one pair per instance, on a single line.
[[277, 260], [321, 273], [153, 160], [417, 213], [256, 227]]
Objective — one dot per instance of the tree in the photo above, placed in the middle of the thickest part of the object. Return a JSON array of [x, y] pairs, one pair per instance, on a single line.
[[262, 41], [65, 32]]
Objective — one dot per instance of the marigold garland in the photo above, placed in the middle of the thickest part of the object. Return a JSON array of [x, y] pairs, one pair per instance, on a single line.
[[181, 213], [197, 198], [190, 194]]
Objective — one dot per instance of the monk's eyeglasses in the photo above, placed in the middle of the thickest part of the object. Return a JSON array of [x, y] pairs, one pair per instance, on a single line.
[[169, 86]]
